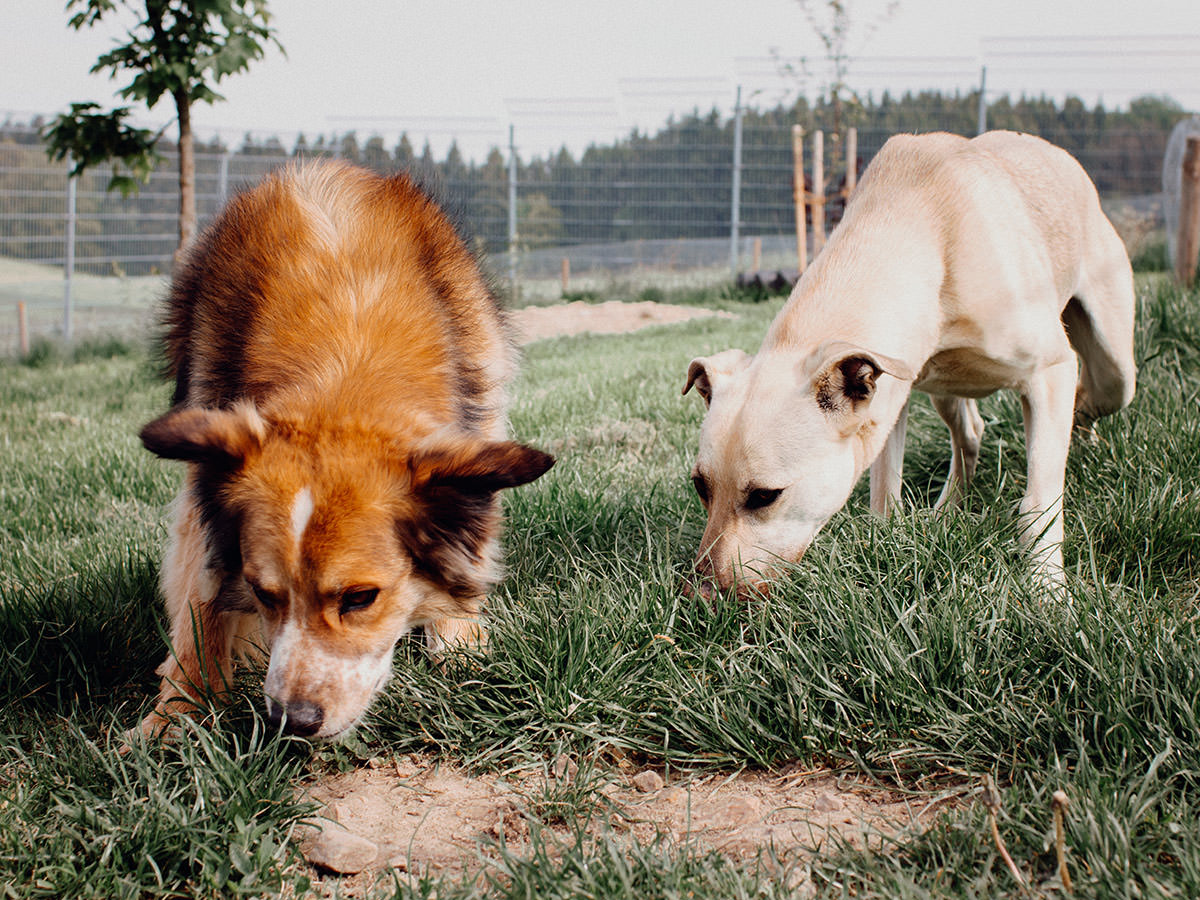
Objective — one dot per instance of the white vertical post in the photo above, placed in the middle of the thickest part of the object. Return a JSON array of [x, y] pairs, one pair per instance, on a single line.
[[981, 126], [223, 179], [735, 212], [69, 254], [512, 212]]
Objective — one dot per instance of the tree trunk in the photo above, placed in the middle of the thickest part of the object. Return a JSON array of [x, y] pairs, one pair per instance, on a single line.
[[187, 172]]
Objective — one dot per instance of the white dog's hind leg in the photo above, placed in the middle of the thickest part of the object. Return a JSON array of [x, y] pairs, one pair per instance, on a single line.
[[1048, 403], [961, 416], [1099, 320], [888, 469]]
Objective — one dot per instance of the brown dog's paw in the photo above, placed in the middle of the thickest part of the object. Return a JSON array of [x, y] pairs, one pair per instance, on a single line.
[[156, 726], [445, 636]]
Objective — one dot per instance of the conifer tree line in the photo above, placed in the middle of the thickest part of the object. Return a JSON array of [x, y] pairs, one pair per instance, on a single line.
[[674, 183]]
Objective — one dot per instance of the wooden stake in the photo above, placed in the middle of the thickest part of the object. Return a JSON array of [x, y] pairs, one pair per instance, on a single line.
[[1187, 246], [757, 254], [22, 329], [851, 161], [798, 196], [818, 192], [566, 275]]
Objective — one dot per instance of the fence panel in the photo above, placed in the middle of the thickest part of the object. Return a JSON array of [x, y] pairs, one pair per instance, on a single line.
[[646, 211]]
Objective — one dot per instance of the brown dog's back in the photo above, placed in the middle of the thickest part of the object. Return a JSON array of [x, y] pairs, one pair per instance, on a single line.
[[296, 295]]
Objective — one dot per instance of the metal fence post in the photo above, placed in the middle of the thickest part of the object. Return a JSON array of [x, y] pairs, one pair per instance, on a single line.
[[223, 179], [69, 254], [735, 211], [981, 127], [512, 212]]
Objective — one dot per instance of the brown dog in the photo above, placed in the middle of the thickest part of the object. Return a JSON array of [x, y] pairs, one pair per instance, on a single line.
[[341, 372]]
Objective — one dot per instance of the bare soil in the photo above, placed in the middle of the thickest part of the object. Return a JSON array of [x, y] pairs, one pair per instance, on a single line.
[[425, 817], [612, 317]]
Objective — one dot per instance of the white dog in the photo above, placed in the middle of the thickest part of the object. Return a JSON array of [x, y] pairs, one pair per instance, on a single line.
[[961, 267]]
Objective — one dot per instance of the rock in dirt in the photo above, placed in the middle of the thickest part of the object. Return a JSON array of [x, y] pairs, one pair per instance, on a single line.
[[339, 850], [648, 782], [827, 803]]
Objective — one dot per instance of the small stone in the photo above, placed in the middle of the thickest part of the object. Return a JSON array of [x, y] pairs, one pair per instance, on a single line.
[[649, 781], [827, 803], [339, 850], [564, 768]]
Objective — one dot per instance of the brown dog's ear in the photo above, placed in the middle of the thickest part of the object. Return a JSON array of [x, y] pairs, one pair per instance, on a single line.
[[195, 434], [707, 372], [480, 468], [847, 376], [455, 489]]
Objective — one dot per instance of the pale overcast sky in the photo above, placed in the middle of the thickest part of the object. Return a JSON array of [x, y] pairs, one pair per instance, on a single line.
[[567, 71]]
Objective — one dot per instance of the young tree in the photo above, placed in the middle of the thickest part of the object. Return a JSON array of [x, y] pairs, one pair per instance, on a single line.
[[839, 24], [177, 49]]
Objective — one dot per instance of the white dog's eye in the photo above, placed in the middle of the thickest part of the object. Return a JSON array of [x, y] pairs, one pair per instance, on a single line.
[[701, 487], [359, 598], [762, 497]]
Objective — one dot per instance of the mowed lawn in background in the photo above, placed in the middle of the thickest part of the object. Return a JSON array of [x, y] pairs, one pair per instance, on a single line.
[[913, 649]]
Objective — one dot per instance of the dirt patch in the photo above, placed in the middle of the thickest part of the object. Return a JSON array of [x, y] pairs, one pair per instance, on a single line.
[[535, 323], [417, 816]]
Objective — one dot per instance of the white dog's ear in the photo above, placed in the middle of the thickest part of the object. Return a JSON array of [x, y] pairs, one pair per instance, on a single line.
[[707, 372], [846, 377]]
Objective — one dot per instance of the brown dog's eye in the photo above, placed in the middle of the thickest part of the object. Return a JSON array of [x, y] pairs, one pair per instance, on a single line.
[[701, 487], [360, 598], [762, 497], [266, 598]]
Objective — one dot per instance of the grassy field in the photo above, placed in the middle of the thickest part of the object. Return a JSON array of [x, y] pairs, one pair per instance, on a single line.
[[913, 650]]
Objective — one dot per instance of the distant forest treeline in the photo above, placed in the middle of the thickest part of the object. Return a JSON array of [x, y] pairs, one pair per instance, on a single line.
[[675, 183]]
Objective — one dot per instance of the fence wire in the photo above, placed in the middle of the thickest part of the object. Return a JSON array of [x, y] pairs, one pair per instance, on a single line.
[[647, 211]]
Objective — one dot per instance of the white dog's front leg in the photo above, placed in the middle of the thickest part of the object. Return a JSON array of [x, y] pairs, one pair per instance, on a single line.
[[962, 417], [887, 471], [1048, 403]]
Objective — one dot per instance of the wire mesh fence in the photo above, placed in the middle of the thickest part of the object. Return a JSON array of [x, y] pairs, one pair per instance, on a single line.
[[706, 195]]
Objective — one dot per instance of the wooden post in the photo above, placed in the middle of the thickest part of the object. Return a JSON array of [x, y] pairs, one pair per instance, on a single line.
[[818, 192], [757, 254], [851, 161], [798, 197], [566, 275], [1187, 247], [22, 329]]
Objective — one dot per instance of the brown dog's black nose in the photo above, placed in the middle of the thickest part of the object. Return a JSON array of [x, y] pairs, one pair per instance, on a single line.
[[298, 717]]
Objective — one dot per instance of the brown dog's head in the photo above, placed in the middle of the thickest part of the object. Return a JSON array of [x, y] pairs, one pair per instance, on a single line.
[[345, 540], [783, 442]]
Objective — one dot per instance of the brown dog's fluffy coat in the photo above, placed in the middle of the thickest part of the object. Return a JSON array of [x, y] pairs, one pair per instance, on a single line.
[[341, 373]]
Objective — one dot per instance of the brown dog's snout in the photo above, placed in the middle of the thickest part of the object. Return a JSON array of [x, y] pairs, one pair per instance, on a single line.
[[298, 717]]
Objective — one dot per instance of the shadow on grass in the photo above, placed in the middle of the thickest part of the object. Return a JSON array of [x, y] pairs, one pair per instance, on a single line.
[[80, 643]]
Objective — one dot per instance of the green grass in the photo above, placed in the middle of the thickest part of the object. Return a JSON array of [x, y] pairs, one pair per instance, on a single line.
[[914, 649]]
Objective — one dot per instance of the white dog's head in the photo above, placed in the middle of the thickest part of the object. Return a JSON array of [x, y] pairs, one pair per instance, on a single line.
[[784, 441]]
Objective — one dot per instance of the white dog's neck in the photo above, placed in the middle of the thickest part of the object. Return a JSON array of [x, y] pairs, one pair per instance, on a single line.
[[874, 285]]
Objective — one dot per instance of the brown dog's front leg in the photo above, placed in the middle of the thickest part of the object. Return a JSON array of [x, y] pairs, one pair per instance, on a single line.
[[199, 664], [464, 632]]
